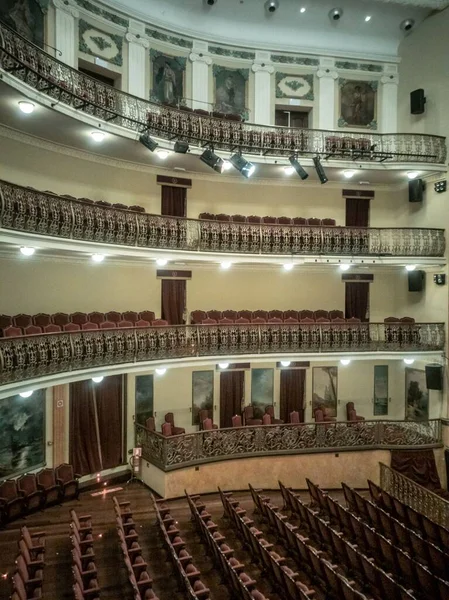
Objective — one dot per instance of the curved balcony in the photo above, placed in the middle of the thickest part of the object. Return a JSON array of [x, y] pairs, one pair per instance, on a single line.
[[29, 211], [179, 451], [37, 357], [46, 75]]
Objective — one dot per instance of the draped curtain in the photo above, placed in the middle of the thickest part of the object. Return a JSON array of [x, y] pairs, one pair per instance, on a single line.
[[292, 390], [173, 201], [357, 212], [173, 301], [96, 425], [357, 300], [232, 389], [418, 465]]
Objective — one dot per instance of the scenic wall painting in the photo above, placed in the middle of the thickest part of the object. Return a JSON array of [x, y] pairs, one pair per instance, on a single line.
[[262, 390], [324, 389], [168, 78], [380, 390], [358, 104], [144, 398], [416, 395], [22, 433], [230, 90], [202, 394], [26, 17]]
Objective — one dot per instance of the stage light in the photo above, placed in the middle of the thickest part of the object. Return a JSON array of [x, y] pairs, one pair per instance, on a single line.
[[298, 168], [26, 107], [26, 394], [286, 363], [409, 361], [98, 379], [345, 362], [319, 169], [161, 371], [410, 267], [345, 267], [98, 258], [181, 147], [226, 165], [27, 250], [148, 142], [289, 170], [226, 265], [213, 161], [412, 174], [161, 262], [348, 173], [241, 164], [223, 365], [98, 136], [162, 153], [288, 266]]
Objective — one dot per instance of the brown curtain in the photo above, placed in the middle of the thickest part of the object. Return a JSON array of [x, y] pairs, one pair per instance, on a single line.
[[173, 300], [357, 300], [232, 389], [418, 465], [357, 212], [292, 390], [173, 201], [109, 402]]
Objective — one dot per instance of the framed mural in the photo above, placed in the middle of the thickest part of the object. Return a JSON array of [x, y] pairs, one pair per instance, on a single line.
[[22, 433], [144, 398], [230, 88], [26, 17], [358, 100], [416, 395], [168, 74], [262, 390], [202, 394], [324, 389], [380, 390]]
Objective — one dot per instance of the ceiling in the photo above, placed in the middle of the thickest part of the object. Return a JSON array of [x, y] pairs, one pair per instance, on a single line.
[[246, 23]]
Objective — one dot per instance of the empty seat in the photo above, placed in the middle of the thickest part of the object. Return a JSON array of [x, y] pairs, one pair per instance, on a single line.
[[34, 497], [22, 320], [79, 318], [68, 480]]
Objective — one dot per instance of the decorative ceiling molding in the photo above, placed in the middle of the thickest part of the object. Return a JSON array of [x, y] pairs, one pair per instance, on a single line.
[[433, 4]]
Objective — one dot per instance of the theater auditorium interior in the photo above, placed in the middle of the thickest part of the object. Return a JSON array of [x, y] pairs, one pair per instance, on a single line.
[[224, 300]]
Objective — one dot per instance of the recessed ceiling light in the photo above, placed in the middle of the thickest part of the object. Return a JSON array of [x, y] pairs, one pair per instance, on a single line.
[[226, 265], [289, 170], [98, 136], [345, 361], [162, 153], [409, 361], [286, 363], [98, 379], [349, 173], [364, 182], [161, 371], [367, 18], [161, 262], [410, 267], [345, 267], [412, 174], [223, 365], [302, 9], [27, 250], [288, 266], [26, 107], [98, 258], [26, 394]]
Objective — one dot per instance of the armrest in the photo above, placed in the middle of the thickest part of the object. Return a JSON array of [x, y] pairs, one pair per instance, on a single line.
[[88, 592], [37, 534], [78, 476], [192, 575], [229, 552], [35, 564], [38, 548], [280, 561], [124, 503], [249, 583], [21, 493], [139, 568], [184, 559], [84, 543], [84, 517], [202, 593], [132, 551], [90, 573], [37, 581]]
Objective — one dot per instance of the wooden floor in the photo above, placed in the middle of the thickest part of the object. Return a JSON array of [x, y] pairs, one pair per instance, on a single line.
[[112, 576]]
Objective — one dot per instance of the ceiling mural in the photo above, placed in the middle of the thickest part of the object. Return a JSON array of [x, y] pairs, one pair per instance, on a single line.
[[294, 86], [99, 43]]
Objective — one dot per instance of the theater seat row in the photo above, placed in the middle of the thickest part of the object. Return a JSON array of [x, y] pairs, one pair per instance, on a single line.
[[28, 577], [255, 219], [198, 316]]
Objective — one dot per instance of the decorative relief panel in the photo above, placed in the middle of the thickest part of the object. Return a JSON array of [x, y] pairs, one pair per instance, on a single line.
[[230, 89], [358, 104], [354, 66], [232, 52], [105, 14], [294, 60], [99, 43], [167, 37], [294, 86], [168, 74]]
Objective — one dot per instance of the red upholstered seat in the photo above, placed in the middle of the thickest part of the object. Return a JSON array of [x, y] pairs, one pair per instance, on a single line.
[[32, 330], [315, 222], [306, 314], [351, 414], [72, 327], [230, 314], [266, 419], [141, 323], [328, 222], [60, 319], [34, 497], [22, 320], [79, 318], [242, 321], [285, 220], [321, 314], [46, 481], [197, 316], [167, 429], [108, 325], [291, 321], [207, 216], [260, 313], [300, 221], [269, 220], [248, 413], [12, 503], [294, 417], [225, 321], [150, 424], [96, 317], [335, 314], [269, 410], [137, 208], [12, 331], [214, 314], [208, 424], [258, 321], [290, 314], [169, 418], [159, 323], [124, 324], [245, 314], [130, 315], [114, 316], [68, 480], [238, 218], [52, 328], [407, 320], [208, 322], [5, 321], [275, 320], [147, 315], [391, 320], [278, 314], [41, 320], [88, 326], [223, 217]]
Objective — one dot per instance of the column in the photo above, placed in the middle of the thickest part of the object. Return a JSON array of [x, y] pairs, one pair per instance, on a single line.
[[138, 44], [389, 100], [201, 62], [263, 71], [66, 31], [326, 94], [60, 433]]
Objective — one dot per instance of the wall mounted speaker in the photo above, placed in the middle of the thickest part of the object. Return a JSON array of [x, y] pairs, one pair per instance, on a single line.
[[415, 190], [434, 377], [417, 102], [416, 281]]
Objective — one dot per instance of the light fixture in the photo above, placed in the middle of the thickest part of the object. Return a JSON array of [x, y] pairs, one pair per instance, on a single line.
[[286, 363], [213, 161], [409, 361], [302, 9], [161, 371], [335, 14], [161, 262], [98, 379], [26, 107], [226, 165], [345, 267], [181, 147], [345, 362], [226, 265], [348, 173], [298, 168], [98, 136], [98, 258], [162, 153], [241, 164], [319, 169], [223, 365], [148, 142], [440, 186], [288, 266], [367, 18], [289, 170], [271, 6], [412, 174], [26, 394], [407, 24], [410, 267], [27, 250]]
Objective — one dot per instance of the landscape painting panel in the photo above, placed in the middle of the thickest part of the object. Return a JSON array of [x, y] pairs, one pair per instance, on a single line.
[[26, 17], [416, 395], [144, 398], [357, 104], [324, 389], [202, 394], [380, 390], [22, 433], [262, 389], [168, 79]]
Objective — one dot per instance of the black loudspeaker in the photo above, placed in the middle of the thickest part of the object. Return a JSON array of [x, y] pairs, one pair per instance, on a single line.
[[416, 281], [417, 102], [415, 190], [434, 377]]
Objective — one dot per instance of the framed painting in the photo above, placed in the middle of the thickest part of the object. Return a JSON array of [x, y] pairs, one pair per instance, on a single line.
[[324, 389], [22, 434], [144, 398], [416, 395], [262, 390], [202, 394], [168, 78], [380, 390], [358, 100], [26, 17], [230, 90]]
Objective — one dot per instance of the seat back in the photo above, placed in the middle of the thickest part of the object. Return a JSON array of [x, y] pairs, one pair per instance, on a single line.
[[27, 483], [236, 421], [41, 319], [207, 424], [79, 318], [294, 417], [167, 429], [114, 316], [266, 419], [8, 490], [197, 316], [46, 478], [22, 320], [65, 473], [150, 424], [96, 317]]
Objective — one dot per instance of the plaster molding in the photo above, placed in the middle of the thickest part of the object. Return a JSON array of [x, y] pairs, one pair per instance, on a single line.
[[433, 4], [327, 74], [137, 38], [68, 7], [200, 57], [262, 68], [391, 79]]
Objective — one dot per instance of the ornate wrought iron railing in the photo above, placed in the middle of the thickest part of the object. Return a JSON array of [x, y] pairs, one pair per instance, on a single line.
[[28, 210], [414, 495], [66, 85], [169, 453], [35, 356]]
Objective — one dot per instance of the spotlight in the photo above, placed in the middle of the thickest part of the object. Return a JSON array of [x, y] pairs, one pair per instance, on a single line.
[[241, 164], [271, 6], [335, 14], [223, 365], [226, 165], [161, 371], [407, 24], [288, 266], [163, 154], [348, 173], [27, 250], [226, 265], [26, 107], [298, 168], [367, 18], [211, 2], [289, 170], [319, 169], [410, 267], [26, 394], [98, 136], [412, 174], [409, 361], [345, 267], [286, 363], [161, 262], [181, 147], [98, 258], [213, 161], [302, 10], [345, 362], [440, 186], [98, 379], [148, 142]]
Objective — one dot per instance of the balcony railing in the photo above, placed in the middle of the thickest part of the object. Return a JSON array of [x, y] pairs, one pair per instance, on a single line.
[[28, 210], [175, 452], [66, 85], [35, 356]]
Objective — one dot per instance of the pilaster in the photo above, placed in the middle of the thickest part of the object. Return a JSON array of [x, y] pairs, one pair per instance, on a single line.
[[201, 61], [389, 99], [263, 71], [138, 45], [66, 14], [327, 75]]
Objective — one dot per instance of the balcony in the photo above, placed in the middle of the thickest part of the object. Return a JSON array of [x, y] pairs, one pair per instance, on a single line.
[[23, 62], [27, 211]]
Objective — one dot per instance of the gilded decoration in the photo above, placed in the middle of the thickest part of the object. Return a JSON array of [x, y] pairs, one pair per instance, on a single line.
[[358, 103], [294, 86], [99, 43]]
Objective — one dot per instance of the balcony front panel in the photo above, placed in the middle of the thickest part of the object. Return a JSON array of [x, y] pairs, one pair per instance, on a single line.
[[30, 211], [65, 85]]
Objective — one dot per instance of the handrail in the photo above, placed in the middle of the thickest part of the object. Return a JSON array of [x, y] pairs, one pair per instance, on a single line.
[[179, 451], [41, 355], [43, 213], [414, 495], [28, 63]]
